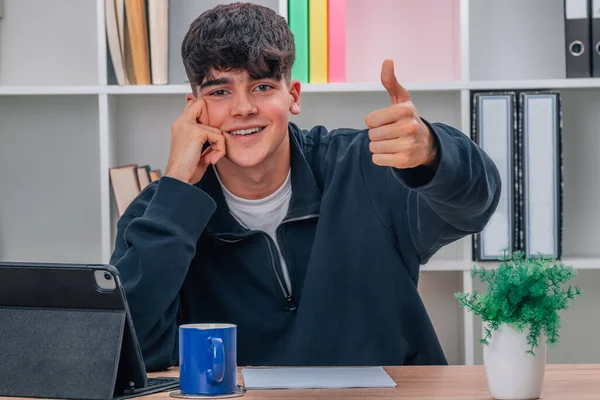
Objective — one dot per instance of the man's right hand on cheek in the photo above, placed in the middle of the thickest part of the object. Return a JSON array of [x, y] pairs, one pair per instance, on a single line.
[[189, 133]]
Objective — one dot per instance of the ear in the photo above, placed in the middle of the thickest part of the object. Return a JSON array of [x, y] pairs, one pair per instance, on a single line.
[[294, 97]]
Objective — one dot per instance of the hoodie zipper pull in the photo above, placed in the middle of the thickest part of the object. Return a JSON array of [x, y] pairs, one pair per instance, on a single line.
[[291, 304]]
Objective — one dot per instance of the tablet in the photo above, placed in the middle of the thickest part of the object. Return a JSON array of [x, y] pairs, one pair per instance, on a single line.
[[67, 333]]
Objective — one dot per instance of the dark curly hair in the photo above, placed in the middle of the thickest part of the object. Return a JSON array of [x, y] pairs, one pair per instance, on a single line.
[[240, 36]]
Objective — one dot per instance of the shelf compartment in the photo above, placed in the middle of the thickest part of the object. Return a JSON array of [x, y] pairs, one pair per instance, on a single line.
[[49, 155], [437, 290], [49, 42], [516, 39]]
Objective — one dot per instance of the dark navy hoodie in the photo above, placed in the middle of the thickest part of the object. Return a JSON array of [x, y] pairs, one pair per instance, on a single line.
[[353, 239]]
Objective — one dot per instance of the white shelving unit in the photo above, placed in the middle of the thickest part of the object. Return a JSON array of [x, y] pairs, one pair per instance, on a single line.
[[63, 124]]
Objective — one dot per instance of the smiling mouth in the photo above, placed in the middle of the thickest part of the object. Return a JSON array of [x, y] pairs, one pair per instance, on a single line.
[[246, 132]]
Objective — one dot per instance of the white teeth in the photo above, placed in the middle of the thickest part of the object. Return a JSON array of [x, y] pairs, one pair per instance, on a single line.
[[245, 131]]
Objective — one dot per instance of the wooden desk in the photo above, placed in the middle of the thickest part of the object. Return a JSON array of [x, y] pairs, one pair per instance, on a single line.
[[562, 382]]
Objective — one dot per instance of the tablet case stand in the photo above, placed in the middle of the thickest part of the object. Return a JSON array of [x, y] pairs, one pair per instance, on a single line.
[[76, 352]]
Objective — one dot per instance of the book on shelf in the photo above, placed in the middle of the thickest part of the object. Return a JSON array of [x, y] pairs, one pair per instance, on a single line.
[[137, 33], [336, 41], [155, 175], [114, 14], [135, 11], [143, 174], [127, 181], [125, 185], [128, 54], [298, 22], [121, 23], [158, 27], [317, 38]]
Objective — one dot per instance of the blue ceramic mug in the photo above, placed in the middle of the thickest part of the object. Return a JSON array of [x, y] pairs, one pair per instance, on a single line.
[[207, 359]]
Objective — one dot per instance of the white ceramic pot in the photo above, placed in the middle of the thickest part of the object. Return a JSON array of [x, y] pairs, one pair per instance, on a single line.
[[512, 373]]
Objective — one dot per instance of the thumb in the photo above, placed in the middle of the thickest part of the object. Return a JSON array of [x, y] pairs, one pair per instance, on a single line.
[[396, 91]]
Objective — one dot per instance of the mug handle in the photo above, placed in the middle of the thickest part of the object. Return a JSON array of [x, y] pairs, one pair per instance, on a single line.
[[217, 372]]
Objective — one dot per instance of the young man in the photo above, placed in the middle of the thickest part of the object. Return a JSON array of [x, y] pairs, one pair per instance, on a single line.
[[309, 241]]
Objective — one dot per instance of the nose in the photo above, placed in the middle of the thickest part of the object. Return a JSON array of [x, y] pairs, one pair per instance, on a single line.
[[243, 105]]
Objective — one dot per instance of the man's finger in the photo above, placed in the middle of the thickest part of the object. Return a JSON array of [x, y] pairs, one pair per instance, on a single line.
[[385, 160], [394, 160], [216, 140], [188, 103], [193, 109], [209, 128], [405, 128], [209, 156], [205, 157], [213, 157], [388, 115], [196, 111], [397, 92], [392, 146], [391, 131]]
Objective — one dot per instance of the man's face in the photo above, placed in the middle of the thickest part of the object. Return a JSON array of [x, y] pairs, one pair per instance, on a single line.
[[252, 114]]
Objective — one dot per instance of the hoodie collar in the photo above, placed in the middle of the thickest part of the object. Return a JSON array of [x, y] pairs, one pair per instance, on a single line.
[[305, 200]]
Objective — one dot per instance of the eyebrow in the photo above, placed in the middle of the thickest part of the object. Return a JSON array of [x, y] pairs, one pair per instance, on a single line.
[[214, 82]]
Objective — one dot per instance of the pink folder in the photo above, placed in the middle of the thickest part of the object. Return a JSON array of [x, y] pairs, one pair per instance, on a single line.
[[337, 41], [421, 36]]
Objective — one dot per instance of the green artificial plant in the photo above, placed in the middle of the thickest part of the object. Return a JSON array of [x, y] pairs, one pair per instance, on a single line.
[[524, 291]]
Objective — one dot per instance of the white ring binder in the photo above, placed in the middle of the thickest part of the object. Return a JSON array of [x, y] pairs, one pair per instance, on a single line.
[[494, 130]]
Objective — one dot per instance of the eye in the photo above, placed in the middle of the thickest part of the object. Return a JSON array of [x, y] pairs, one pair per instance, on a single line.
[[218, 93], [263, 87]]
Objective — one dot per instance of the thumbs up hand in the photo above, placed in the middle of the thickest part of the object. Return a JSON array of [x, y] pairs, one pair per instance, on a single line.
[[399, 138]]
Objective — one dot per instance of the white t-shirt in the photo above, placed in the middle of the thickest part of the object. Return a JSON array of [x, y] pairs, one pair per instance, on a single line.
[[263, 214]]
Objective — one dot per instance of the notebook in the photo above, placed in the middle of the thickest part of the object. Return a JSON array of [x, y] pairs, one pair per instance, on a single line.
[[316, 378]]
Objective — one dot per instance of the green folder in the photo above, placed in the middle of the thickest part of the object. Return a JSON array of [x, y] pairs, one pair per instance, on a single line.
[[298, 21]]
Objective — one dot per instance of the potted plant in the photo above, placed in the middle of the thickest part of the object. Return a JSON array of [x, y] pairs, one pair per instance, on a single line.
[[519, 310]]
